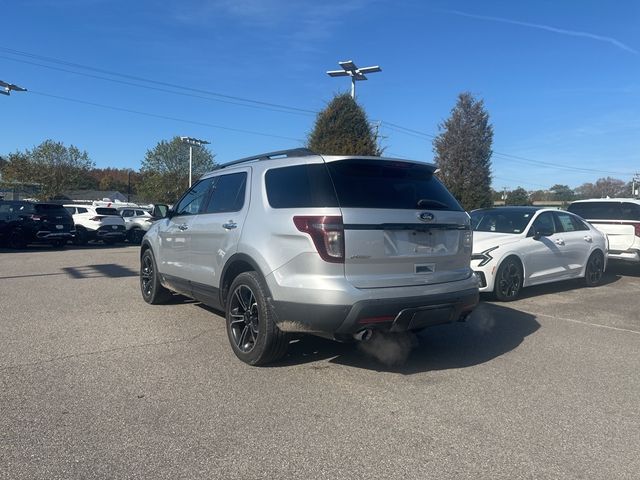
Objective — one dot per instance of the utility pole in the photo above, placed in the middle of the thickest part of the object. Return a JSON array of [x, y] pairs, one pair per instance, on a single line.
[[635, 185], [349, 69], [192, 142], [5, 88]]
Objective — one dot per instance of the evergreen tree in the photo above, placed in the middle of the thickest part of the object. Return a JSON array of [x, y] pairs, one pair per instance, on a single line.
[[165, 170], [463, 153], [343, 129]]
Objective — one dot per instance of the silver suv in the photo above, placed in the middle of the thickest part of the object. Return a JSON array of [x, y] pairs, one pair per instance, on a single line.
[[337, 246]]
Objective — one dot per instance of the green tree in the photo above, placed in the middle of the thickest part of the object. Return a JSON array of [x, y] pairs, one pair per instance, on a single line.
[[562, 193], [604, 187], [165, 170], [343, 129], [52, 165], [463, 152], [519, 196]]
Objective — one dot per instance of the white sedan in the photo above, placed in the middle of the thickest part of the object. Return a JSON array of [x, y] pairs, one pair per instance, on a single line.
[[515, 247]]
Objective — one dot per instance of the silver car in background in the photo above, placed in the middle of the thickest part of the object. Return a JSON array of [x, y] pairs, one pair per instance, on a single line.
[[337, 246]]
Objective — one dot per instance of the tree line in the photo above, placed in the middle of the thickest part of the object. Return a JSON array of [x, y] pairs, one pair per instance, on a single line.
[[462, 152]]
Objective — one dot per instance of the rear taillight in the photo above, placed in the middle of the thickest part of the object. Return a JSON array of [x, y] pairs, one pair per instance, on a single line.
[[97, 218], [327, 234], [636, 227]]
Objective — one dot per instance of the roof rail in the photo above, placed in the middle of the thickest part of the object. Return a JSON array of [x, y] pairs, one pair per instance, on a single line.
[[293, 152]]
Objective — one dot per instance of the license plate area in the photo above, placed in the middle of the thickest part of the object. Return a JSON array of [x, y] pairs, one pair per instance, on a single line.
[[59, 227], [436, 242]]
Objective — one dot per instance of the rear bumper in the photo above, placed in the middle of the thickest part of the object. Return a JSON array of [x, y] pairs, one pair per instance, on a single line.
[[46, 235], [627, 255], [390, 314]]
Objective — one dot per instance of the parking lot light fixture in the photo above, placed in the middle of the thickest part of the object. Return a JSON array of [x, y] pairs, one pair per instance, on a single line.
[[349, 69], [192, 142]]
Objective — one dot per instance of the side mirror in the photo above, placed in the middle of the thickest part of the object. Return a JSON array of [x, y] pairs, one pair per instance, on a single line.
[[160, 211]]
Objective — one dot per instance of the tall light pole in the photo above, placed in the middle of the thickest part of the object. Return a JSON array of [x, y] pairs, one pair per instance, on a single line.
[[192, 142], [349, 69]]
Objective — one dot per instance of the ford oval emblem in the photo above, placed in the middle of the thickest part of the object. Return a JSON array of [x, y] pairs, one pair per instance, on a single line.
[[426, 216]]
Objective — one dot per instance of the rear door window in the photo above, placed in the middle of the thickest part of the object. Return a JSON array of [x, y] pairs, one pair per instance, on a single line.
[[300, 186], [362, 183]]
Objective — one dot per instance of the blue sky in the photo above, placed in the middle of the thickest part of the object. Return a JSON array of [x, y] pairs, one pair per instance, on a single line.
[[561, 80]]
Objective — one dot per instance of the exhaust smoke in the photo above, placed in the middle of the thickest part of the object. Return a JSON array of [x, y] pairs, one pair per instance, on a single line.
[[391, 349]]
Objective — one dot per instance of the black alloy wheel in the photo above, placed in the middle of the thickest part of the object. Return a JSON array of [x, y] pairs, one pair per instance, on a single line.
[[152, 291], [595, 268], [508, 281], [245, 318], [253, 334]]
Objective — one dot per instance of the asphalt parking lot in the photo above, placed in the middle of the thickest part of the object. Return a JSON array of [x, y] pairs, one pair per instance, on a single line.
[[94, 383]]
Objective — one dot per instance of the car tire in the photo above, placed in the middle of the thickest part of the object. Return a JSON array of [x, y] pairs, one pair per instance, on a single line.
[[251, 328], [16, 240], [594, 269], [82, 237], [508, 282], [110, 241], [152, 291], [59, 244], [135, 235]]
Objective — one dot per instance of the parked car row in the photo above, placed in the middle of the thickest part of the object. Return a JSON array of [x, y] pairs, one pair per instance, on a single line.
[[23, 222], [343, 247]]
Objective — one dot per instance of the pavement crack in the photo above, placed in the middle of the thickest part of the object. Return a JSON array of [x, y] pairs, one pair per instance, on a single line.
[[107, 350]]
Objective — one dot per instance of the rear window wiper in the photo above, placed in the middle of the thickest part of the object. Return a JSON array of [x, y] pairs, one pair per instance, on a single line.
[[426, 202]]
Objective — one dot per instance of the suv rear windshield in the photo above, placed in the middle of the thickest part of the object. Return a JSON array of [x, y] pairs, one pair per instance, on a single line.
[[106, 211], [606, 210], [50, 208], [358, 183], [389, 184]]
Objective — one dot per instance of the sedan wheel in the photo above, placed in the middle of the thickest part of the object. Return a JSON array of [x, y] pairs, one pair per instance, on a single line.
[[508, 280], [595, 267]]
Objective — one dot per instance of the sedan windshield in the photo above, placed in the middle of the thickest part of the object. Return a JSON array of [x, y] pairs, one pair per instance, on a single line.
[[500, 221]]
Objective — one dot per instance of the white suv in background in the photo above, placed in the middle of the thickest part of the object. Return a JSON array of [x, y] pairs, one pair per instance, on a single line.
[[97, 223], [336, 246], [619, 218], [137, 221]]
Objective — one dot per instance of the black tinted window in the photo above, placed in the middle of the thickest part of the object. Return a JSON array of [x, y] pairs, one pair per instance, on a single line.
[[300, 186], [228, 193], [606, 210], [389, 184], [192, 200], [543, 223], [106, 211]]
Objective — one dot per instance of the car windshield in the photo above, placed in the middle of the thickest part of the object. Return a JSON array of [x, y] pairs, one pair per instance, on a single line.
[[495, 221]]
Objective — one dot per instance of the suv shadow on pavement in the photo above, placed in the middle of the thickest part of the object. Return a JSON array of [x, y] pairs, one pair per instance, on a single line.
[[491, 331]]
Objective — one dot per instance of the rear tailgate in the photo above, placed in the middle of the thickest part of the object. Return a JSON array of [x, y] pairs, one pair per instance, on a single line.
[[402, 227], [391, 248], [622, 235]]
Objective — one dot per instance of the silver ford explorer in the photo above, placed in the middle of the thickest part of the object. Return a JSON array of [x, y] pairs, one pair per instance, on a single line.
[[336, 246]]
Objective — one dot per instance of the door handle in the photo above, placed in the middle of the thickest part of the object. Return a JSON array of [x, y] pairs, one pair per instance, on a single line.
[[587, 238], [559, 241], [183, 226], [230, 225]]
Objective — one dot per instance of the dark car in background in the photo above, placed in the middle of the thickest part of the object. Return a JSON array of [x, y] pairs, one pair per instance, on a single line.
[[23, 222]]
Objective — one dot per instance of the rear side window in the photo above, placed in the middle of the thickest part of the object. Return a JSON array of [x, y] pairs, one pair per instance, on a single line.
[[389, 184], [606, 210], [228, 193], [300, 186], [570, 223]]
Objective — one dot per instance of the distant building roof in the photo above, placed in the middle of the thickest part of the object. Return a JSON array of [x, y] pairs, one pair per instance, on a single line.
[[93, 195]]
